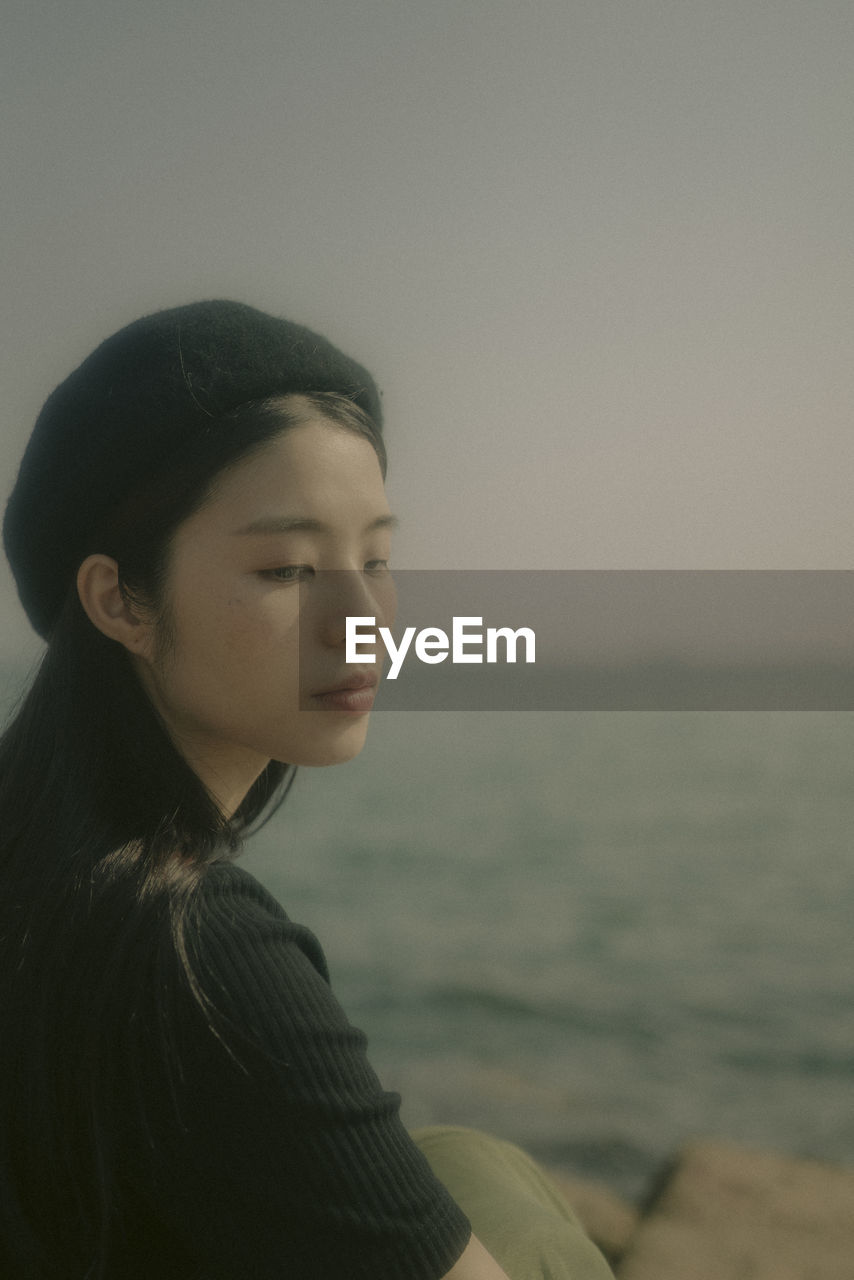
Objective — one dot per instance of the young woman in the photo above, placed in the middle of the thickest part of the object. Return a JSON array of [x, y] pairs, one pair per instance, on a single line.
[[180, 1093]]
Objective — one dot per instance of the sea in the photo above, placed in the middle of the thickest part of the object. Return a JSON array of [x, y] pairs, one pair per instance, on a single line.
[[598, 934]]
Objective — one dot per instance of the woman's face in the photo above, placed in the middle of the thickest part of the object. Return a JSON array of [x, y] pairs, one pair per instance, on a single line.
[[256, 620]]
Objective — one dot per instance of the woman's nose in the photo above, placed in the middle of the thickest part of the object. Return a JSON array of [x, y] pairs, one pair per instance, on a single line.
[[342, 593]]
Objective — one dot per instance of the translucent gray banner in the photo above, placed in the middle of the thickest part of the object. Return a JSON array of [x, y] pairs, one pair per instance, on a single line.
[[573, 640]]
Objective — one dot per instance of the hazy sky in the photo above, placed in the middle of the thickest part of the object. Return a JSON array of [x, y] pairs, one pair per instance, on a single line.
[[598, 254]]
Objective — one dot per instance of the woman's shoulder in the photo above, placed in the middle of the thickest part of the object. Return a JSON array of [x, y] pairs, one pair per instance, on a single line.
[[243, 937], [227, 887]]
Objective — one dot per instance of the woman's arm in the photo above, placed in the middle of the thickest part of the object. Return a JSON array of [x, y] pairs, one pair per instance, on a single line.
[[274, 1149], [475, 1264]]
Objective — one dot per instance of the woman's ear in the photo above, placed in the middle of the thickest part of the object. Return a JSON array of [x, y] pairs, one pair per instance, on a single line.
[[101, 597]]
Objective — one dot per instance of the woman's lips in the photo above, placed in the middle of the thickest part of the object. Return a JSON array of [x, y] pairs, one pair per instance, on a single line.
[[357, 695]]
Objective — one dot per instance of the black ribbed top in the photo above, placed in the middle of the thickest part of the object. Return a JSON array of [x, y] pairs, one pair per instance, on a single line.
[[278, 1153]]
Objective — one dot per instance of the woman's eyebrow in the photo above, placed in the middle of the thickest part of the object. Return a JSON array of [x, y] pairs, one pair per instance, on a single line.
[[305, 524]]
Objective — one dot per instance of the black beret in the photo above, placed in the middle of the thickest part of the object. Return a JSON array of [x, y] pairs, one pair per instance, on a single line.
[[138, 401]]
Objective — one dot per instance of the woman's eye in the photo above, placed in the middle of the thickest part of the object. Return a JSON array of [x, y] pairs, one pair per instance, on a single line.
[[289, 572], [301, 572]]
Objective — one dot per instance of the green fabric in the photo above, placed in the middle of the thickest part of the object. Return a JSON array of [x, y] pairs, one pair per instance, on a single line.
[[515, 1210]]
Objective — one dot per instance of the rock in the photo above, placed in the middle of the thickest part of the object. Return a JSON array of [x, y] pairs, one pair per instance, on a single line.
[[730, 1213], [609, 1221]]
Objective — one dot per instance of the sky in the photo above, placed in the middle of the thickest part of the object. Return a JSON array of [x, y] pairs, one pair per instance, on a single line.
[[599, 255]]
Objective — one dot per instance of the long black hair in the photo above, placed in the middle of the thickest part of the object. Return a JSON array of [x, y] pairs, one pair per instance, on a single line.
[[105, 837]]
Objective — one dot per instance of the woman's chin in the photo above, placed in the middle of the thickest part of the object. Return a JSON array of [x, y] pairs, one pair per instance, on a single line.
[[334, 745]]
